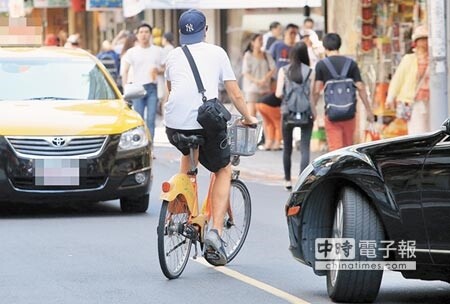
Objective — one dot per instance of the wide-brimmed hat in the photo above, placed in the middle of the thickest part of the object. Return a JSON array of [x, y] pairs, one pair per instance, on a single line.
[[420, 32], [192, 25]]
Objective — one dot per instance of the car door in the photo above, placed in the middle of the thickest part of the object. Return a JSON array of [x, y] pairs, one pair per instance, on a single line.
[[436, 200]]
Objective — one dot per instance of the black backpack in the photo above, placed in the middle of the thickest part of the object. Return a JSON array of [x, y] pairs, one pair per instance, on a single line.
[[339, 93]]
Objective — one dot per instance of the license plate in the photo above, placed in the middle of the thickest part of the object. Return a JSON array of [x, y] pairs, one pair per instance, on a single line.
[[57, 172]]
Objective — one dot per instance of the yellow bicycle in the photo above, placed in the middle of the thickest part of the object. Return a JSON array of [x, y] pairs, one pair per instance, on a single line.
[[182, 224]]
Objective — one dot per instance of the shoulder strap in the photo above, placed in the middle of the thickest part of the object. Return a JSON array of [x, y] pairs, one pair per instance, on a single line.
[[309, 74], [346, 68], [198, 80], [330, 68]]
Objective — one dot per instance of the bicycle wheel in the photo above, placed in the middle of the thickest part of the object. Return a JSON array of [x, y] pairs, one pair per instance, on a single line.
[[237, 220], [173, 246]]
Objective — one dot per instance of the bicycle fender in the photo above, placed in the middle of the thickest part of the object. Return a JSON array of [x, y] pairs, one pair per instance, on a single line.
[[181, 184]]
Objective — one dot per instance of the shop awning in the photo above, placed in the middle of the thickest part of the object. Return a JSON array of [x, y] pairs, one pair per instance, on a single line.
[[133, 7], [228, 4]]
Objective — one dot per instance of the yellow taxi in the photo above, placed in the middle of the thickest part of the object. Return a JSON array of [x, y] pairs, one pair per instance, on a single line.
[[67, 133]]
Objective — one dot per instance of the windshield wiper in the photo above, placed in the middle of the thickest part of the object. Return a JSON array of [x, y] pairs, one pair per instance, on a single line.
[[49, 98]]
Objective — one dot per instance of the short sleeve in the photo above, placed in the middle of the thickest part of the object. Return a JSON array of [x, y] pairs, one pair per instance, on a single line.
[[273, 50], [226, 69], [319, 72], [354, 73]]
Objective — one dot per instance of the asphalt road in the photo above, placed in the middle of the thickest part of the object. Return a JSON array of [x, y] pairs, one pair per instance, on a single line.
[[92, 253]]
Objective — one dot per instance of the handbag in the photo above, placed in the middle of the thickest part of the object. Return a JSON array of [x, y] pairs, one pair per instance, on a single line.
[[212, 114], [404, 110]]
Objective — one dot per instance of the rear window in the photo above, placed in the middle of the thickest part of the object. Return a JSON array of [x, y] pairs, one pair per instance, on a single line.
[[52, 78]]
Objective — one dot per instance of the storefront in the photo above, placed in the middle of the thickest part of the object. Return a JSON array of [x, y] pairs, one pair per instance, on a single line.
[[376, 33]]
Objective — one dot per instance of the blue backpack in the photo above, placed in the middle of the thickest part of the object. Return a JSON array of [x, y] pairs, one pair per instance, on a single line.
[[339, 93]]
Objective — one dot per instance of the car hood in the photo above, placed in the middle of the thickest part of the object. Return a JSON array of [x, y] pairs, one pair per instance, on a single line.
[[50, 117]]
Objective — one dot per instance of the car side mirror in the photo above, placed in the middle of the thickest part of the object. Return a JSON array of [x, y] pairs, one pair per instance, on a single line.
[[133, 91], [446, 126]]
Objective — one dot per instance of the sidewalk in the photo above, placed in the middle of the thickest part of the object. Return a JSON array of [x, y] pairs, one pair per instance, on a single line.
[[264, 165]]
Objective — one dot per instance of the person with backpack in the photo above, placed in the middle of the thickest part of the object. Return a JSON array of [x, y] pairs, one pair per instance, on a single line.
[[110, 60], [294, 88], [339, 78]]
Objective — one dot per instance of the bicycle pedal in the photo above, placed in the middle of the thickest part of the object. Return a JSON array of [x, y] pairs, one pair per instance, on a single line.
[[214, 258], [195, 251]]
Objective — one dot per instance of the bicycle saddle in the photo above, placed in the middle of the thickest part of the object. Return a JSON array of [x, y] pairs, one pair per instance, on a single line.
[[192, 141]]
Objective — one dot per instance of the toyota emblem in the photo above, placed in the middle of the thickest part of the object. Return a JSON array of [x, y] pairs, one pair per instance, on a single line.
[[58, 141]]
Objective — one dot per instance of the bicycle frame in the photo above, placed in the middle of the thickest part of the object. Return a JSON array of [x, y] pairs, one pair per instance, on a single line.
[[183, 187]]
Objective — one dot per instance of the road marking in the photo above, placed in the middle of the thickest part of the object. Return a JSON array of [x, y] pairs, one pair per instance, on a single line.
[[250, 281]]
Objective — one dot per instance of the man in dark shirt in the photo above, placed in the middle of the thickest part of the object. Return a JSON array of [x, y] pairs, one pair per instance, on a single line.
[[339, 133], [280, 49]]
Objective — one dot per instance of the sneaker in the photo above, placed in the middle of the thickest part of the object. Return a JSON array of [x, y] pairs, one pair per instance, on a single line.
[[215, 248], [288, 185]]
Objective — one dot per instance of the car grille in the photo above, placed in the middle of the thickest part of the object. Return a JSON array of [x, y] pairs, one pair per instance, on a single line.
[[57, 146]]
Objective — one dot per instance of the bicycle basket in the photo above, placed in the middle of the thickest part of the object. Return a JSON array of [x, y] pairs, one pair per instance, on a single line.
[[243, 140]]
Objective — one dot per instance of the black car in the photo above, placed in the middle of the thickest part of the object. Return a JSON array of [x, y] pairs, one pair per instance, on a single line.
[[389, 192]]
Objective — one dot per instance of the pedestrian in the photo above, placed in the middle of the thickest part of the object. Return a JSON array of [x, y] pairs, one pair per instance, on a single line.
[[314, 51], [130, 41], [308, 23], [119, 41], [409, 86], [257, 70], [110, 60], [167, 46], [296, 74], [167, 43], [73, 42], [181, 112], [145, 59], [339, 132], [51, 40], [280, 49], [274, 34]]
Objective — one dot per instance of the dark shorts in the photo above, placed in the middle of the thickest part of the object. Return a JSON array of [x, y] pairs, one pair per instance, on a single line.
[[213, 155]]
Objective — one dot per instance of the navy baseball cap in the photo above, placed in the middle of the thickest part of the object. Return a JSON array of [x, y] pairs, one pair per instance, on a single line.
[[192, 25]]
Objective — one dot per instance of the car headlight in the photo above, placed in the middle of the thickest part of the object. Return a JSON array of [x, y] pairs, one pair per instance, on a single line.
[[133, 139]]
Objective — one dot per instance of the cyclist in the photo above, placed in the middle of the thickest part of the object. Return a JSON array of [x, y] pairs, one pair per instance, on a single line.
[[181, 112]]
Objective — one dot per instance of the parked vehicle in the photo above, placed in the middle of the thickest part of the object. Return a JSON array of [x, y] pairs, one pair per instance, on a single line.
[[66, 132], [395, 190]]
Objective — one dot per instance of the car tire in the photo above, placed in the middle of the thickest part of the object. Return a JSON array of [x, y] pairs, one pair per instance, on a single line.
[[356, 218], [134, 204]]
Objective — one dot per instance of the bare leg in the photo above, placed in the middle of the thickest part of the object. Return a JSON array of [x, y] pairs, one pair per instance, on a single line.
[[220, 197], [185, 164]]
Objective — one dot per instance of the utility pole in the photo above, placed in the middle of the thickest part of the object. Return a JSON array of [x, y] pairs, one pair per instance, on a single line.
[[438, 28]]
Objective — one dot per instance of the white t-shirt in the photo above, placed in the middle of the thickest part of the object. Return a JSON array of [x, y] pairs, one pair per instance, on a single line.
[[184, 99], [143, 61]]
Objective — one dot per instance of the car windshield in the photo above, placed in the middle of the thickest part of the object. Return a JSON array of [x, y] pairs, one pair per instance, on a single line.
[[52, 78]]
